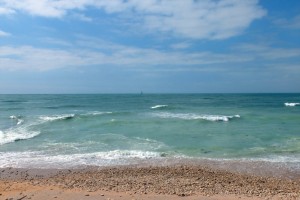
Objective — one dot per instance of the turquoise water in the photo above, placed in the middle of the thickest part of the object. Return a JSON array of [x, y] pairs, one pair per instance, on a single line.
[[111, 129]]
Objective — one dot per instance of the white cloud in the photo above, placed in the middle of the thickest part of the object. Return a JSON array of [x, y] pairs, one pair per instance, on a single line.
[[58, 8], [205, 19], [40, 8], [4, 34]]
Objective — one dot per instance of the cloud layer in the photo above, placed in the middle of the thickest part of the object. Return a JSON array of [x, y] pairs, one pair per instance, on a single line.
[[89, 51], [205, 19], [32, 58]]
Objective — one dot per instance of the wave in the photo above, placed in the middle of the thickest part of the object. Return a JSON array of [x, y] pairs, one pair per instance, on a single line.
[[112, 140], [13, 101], [57, 117], [71, 116], [13, 108], [17, 118], [108, 158], [291, 104], [287, 159], [159, 106], [16, 134], [192, 116], [93, 113], [62, 107], [36, 159]]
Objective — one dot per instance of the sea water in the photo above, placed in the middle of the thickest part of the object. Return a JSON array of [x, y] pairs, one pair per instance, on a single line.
[[60, 131]]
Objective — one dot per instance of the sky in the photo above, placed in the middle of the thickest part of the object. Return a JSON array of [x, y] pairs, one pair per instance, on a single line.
[[154, 46]]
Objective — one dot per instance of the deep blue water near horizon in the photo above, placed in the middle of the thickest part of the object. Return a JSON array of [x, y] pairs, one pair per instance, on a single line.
[[116, 129]]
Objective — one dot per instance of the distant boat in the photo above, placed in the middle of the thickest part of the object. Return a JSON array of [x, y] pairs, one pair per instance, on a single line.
[[142, 93]]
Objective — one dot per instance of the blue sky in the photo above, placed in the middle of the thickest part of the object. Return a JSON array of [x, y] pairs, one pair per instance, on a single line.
[[155, 46]]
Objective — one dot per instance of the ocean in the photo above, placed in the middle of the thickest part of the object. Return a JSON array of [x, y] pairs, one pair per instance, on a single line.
[[65, 131]]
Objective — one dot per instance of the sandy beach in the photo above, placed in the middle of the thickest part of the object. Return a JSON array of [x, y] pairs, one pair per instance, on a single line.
[[143, 182]]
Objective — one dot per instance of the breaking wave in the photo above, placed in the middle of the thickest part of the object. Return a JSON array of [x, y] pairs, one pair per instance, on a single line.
[[22, 130], [17, 118], [93, 113], [291, 104], [71, 116], [191, 116], [57, 117], [159, 106], [16, 134]]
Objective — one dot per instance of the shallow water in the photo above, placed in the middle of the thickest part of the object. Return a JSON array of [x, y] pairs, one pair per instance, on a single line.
[[110, 129]]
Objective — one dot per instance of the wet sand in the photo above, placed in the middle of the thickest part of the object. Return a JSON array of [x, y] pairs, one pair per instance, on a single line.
[[143, 182]]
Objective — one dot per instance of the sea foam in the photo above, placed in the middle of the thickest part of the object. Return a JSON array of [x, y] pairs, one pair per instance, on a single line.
[[97, 113], [159, 106], [15, 134], [71, 116], [192, 116], [291, 104], [57, 117], [17, 118], [108, 158]]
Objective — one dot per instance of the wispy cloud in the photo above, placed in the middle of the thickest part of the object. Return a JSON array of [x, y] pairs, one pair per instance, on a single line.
[[6, 10], [293, 23], [32, 58], [206, 19], [4, 34], [86, 51], [82, 17], [268, 52], [55, 42], [181, 45]]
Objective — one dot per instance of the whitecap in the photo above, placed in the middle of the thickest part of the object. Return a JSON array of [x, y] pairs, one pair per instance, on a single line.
[[192, 116], [17, 118], [159, 106], [15, 134], [20, 121], [291, 104], [57, 117], [13, 117], [96, 113]]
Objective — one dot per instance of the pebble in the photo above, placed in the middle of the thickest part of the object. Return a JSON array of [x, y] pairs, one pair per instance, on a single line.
[[176, 180]]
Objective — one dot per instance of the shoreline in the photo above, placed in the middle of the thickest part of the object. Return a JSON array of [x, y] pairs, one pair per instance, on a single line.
[[144, 182], [277, 169]]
